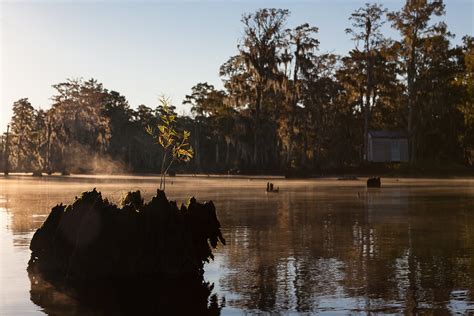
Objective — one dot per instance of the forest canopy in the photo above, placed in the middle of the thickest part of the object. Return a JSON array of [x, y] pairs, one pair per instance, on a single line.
[[285, 105]]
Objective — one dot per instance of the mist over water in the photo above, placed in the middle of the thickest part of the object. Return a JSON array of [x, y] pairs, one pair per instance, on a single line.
[[316, 246], [82, 159]]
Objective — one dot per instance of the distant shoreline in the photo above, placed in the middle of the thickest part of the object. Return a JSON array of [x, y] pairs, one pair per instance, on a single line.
[[329, 176]]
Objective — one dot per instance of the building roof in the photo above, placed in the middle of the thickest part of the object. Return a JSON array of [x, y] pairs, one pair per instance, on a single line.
[[387, 134]]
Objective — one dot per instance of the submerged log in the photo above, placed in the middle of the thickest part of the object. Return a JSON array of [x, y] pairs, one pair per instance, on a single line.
[[374, 182], [271, 188], [347, 178], [92, 240]]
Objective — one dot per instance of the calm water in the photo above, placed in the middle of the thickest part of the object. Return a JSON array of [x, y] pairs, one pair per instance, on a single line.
[[322, 246]]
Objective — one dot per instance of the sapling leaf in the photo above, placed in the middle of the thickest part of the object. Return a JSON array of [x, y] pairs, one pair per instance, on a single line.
[[150, 130], [175, 144]]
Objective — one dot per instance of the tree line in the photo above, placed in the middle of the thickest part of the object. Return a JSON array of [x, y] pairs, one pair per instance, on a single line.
[[285, 107]]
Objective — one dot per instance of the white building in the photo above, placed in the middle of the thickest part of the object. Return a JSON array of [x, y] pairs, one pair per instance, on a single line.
[[388, 146]]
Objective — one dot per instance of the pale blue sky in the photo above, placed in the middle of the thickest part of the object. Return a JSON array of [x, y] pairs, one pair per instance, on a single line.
[[143, 49]]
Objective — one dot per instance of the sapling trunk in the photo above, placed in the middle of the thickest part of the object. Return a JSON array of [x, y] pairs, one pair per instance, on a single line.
[[162, 168], [164, 174]]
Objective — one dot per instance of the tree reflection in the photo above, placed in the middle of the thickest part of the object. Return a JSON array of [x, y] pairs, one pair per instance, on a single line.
[[386, 251], [318, 246]]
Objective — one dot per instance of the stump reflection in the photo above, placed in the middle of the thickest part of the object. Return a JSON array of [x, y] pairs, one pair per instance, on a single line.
[[139, 258]]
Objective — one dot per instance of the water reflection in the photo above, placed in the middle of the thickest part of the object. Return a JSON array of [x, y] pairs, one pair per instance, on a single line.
[[317, 246], [395, 250], [125, 298]]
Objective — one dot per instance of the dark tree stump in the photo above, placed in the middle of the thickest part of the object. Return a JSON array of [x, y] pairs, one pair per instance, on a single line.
[[94, 244]]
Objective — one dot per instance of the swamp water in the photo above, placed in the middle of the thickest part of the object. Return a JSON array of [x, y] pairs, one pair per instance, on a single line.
[[317, 246]]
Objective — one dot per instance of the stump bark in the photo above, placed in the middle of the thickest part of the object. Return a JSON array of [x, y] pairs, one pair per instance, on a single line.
[[94, 240]]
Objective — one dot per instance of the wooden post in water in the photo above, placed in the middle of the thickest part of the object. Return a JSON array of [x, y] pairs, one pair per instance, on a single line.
[[6, 154]]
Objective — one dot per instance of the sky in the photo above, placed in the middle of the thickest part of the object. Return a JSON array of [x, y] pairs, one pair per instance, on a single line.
[[144, 49]]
